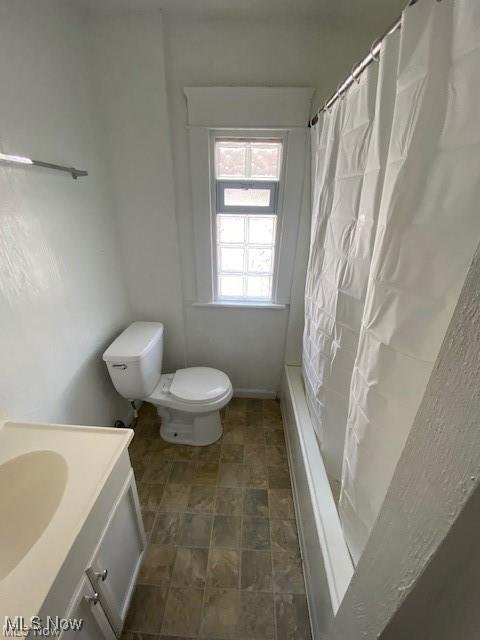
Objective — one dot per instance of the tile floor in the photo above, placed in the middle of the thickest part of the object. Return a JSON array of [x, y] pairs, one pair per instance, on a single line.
[[223, 559]]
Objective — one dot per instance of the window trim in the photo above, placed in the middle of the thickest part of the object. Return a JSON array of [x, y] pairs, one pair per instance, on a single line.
[[230, 304], [291, 200], [249, 134]]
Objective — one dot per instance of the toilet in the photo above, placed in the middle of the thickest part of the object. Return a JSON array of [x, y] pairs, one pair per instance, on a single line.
[[188, 401]]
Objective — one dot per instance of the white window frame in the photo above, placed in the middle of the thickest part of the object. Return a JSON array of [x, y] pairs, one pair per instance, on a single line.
[[276, 209], [221, 184], [202, 140]]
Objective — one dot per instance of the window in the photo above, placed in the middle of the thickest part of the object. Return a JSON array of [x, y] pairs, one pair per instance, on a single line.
[[241, 170], [247, 174]]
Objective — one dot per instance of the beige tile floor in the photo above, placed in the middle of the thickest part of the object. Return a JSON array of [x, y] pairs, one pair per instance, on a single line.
[[223, 559]]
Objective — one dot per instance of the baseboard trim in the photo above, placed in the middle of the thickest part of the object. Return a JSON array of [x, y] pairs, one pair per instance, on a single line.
[[254, 393]]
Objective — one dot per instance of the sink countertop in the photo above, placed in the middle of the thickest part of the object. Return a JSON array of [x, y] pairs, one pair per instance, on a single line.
[[90, 454]]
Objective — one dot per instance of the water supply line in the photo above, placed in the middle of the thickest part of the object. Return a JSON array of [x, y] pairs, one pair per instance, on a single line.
[[135, 410]]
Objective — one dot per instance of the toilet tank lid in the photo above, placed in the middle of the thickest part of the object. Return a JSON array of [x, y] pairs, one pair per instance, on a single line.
[[135, 342]]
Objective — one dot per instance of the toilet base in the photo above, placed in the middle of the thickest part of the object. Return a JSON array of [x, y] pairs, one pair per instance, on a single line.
[[185, 428]]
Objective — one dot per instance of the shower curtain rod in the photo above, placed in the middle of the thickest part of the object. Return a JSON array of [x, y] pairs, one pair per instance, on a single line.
[[360, 67]]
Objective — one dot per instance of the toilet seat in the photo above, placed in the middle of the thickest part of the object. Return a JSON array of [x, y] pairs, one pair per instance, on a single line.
[[199, 384]]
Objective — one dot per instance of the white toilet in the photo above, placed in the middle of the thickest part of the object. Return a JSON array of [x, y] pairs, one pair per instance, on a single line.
[[188, 401]]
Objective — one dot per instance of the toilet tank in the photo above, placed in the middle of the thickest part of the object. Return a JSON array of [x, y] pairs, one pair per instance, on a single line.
[[134, 359]]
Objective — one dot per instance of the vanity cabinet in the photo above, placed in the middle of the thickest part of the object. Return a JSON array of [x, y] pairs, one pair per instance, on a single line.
[[98, 578], [95, 624], [117, 559]]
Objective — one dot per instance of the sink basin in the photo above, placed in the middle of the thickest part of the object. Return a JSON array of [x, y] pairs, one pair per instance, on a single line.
[[31, 488]]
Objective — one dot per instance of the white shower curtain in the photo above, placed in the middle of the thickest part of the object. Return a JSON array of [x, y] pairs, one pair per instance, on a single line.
[[350, 146], [427, 231]]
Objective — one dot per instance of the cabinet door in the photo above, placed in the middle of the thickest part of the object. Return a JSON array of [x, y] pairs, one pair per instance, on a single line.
[[117, 559], [87, 612]]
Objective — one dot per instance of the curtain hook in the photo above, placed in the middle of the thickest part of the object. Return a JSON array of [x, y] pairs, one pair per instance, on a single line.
[[341, 96], [355, 78], [374, 44]]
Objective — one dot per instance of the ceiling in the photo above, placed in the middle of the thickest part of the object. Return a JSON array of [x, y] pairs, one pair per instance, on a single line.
[[337, 11]]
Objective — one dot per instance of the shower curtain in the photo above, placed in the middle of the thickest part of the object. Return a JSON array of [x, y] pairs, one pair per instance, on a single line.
[[350, 146], [428, 225]]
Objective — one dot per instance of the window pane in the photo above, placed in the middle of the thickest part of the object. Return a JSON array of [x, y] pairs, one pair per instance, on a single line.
[[231, 229], [260, 260], [231, 259], [259, 286], [246, 197], [231, 159], [265, 160], [243, 158], [230, 286], [261, 230]]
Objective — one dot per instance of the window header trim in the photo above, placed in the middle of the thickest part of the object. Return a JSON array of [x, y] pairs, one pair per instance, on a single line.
[[247, 107]]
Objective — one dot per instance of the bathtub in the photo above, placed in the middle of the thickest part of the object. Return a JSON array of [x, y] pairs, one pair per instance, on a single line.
[[327, 565]]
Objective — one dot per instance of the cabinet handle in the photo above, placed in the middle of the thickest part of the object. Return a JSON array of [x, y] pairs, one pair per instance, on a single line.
[[101, 575], [93, 599]]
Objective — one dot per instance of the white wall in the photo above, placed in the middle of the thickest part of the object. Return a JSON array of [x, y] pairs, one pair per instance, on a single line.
[[444, 602], [107, 94], [61, 295], [249, 345], [127, 62], [296, 318], [140, 68]]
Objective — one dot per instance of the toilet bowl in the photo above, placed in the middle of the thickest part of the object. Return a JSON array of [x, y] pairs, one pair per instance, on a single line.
[[188, 401]]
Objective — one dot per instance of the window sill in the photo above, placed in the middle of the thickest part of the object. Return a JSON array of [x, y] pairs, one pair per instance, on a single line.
[[242, 305]]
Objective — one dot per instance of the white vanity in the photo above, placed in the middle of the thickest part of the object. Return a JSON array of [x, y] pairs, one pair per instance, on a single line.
[[71, 532]]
